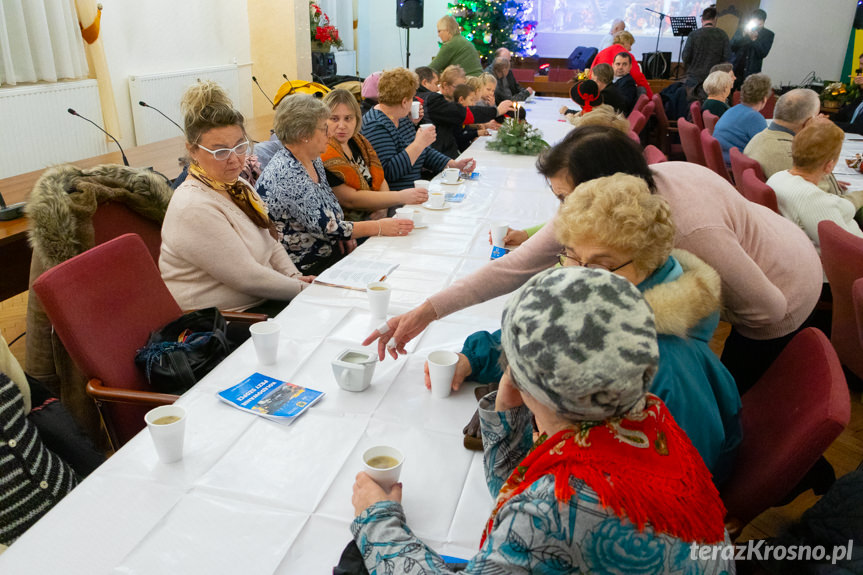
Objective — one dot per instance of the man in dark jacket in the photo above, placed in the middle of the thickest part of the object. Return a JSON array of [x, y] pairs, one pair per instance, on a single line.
[[603, 75], [705, 48], [750, 45], [508, 84], [624, 83]]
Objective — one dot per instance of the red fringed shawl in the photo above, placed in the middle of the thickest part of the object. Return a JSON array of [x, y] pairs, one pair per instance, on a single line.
[[642, 466], [335, 160]]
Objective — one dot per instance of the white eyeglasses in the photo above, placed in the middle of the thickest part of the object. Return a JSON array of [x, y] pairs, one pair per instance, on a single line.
[[223, 154]]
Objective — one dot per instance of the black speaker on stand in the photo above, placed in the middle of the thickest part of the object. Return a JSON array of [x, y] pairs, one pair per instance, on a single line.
[[409, 14]]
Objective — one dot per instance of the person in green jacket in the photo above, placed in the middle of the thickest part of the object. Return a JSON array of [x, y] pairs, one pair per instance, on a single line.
[[455, 49]]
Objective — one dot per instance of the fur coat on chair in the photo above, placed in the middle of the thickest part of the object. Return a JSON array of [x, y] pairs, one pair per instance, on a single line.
[[60, 209]]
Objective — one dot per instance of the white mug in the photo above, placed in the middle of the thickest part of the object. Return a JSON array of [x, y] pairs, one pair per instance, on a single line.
[[450, 175], [437, 200], [354, 368]]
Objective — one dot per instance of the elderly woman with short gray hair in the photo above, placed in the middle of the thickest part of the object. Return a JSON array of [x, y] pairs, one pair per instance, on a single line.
[[307, 215]]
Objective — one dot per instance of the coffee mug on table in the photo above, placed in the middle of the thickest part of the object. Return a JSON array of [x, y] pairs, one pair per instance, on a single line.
[[354, 368], [450, 175], [437, 199]]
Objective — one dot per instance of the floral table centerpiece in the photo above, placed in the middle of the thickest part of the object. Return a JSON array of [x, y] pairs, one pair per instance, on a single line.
[[518, 137], [323, 34], [837, 94]]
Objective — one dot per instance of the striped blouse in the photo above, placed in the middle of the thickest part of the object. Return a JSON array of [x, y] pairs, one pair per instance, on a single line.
[[390, 142]]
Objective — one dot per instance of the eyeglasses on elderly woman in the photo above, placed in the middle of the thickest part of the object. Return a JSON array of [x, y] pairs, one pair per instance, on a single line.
[[222, 154], [567, 259]]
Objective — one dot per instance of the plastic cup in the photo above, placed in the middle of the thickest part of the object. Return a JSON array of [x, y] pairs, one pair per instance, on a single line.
[[404, 214], [265, 336], [167, 425], [442, 366], [379, 298], [415, 110], [424, 184], [498, 233], [385, 477]]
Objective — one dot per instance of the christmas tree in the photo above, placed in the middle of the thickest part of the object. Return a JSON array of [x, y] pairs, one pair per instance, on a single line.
[[493, 24]]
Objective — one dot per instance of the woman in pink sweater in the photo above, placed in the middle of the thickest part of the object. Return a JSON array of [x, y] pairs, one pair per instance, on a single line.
[[771, 274]]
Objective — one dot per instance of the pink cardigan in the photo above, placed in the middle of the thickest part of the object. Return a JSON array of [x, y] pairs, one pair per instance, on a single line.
[[771, 273]]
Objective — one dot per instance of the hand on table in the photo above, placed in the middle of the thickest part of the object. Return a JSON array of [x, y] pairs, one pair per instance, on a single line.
[[307, 279], [347, 246], [367, 492], [395, 227], [401, 329], [465, 165], [462, 371]]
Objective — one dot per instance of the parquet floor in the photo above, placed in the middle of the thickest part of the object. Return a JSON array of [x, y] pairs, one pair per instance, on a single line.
[[845, 454]]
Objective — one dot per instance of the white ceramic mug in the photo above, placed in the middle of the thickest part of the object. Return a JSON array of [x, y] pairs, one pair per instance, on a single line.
[[354, 368], [437, 200], [265, 336], [379, 298], [167, 437], [415, 110], [385, 477], [450, 175], [442, 366], [404, 214]]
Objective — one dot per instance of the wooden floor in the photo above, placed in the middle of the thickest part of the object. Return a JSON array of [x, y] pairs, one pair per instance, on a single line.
[[845, 454]]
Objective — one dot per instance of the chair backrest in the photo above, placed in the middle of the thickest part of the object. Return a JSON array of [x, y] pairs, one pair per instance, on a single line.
[[789, 418], [696, 114], [842, 258], [560, 75], [662, 124], [766, 111], [740, 162], [113, 219], [640, 103], [690, 140], [857, 299], [636, 121], [710, 120], [635, 137], [755, 190], [103, 304], [523, 74], [649, 109], [713, 154], [735, 97], [654, 155]]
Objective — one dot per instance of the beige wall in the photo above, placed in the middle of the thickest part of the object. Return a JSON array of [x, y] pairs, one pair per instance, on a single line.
[[280, 44]]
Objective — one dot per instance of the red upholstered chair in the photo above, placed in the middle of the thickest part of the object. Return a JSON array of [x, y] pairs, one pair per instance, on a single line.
[[523, 74], [713, 155], [664, 129], [654, 155], [842, 257], [710, 120], [789, 418], [735, 98], [637, 120], [755, 190], [633, 136], [690, 140], [696, 114], [103, 304], [740, 162], [113, 219], [857, 298], [640, 103]]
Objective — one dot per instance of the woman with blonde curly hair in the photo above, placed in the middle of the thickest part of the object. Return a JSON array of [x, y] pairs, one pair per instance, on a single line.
[[219, 247], [403, 149], [616, 224]]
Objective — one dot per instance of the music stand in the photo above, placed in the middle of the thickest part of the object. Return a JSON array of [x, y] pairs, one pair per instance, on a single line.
[[682, 26]]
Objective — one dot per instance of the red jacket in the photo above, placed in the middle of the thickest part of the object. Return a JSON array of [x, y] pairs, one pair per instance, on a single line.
[[607, 57]]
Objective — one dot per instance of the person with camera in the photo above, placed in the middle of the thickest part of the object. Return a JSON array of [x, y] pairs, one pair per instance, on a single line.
[[750, 45]]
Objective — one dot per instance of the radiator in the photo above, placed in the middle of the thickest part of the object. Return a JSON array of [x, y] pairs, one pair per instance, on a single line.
[[164, 91], [37, 132]]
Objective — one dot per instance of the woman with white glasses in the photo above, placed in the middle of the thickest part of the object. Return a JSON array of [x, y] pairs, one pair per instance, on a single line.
[[219, 247]]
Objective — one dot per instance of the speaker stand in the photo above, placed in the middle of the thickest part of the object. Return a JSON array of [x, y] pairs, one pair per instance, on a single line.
[[408, 49]]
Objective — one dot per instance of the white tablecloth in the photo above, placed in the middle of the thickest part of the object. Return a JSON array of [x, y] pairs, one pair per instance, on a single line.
[[253, 496], [853, 145]]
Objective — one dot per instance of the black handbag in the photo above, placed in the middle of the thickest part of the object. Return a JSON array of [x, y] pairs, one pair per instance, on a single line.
[[184, 351]]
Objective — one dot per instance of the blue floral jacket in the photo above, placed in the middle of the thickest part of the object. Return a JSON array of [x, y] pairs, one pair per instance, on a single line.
[[533, 533]]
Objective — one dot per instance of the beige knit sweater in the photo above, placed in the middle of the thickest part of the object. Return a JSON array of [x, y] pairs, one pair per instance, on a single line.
[[213, 255]]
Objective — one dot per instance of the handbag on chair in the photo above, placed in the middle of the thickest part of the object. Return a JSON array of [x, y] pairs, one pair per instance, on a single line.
[[182, 352]]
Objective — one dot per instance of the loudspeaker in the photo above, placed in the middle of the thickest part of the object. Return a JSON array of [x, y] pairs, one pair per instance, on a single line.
[[858, 16], [323, 64], [656, 65], [409, 13]]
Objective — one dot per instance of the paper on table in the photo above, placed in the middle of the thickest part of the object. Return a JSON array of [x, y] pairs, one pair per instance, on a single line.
[[355, 273]]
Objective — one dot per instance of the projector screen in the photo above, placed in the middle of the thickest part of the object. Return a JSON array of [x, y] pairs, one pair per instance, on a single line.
[[596, 16]]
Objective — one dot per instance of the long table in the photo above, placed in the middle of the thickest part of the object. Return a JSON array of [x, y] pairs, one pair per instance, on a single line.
[[162, 156], [256, 497]]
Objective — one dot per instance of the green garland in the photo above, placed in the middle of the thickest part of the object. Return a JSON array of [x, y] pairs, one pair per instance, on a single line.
[[518, 138]]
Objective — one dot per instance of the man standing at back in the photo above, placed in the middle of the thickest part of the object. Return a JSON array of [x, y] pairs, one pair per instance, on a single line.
[[751, 44], [705, 48]]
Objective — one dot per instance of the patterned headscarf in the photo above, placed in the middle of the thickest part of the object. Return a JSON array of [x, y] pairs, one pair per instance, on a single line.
[[581, 341]]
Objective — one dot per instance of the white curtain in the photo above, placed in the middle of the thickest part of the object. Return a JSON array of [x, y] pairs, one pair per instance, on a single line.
[[40, 41]]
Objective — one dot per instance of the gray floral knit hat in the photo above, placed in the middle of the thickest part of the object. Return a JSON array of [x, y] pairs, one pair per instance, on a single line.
[[581, 341]]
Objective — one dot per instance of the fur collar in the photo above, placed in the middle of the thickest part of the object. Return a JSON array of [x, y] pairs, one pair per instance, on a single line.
[[65, 197], [681, 304]]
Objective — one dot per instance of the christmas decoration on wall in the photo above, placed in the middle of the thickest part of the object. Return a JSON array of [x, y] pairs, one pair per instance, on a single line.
[[493, 24]]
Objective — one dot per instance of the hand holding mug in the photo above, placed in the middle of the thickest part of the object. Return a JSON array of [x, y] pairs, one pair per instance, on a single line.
[[426, 135], [413, 196], [395, 227], [462, 371], [367, 492]]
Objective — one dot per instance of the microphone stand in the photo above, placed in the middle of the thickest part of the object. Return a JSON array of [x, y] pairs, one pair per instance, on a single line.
[[654, 65], [255, 80], [122, 153], [146, 105]]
